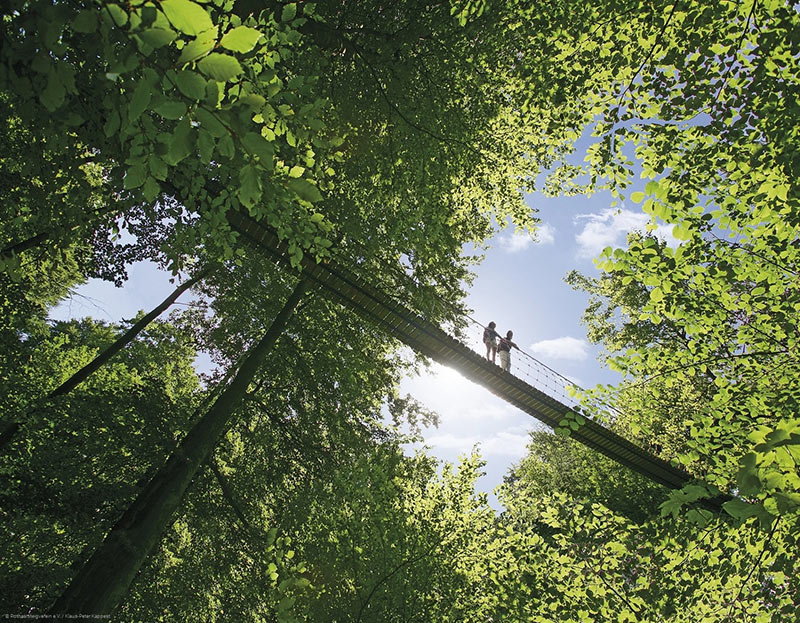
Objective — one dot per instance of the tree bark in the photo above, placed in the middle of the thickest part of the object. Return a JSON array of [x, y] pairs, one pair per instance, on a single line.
[[105, 578], [81, 375]]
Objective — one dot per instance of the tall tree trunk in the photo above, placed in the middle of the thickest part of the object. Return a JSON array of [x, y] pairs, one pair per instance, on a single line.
[[81, 375], [105, 578], [11, 428], [16, 249]]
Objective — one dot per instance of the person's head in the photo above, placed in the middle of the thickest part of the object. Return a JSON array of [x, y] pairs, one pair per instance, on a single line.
[[510, 334], [492, 325]]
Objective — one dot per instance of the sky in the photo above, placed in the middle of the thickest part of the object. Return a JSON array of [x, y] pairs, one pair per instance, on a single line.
[[520, 286]]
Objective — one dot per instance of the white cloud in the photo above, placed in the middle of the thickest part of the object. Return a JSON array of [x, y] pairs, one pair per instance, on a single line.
[[546, 234], [610, 227], [506, 443], [562, 348], [516, 242], [509, 444]]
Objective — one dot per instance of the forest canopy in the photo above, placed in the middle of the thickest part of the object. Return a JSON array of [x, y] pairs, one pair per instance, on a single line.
[[389, 135]]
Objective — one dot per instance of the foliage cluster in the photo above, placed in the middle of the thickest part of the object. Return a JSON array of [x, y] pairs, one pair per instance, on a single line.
[[388, 136]]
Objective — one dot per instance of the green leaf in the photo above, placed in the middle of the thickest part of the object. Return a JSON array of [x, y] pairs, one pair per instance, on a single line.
[[651, 188], [226, 147], [198, 48], [289, 12], [158, 168], [749, 482], [191, 84], [305, 190], [220, 67], [140, 100], [171, 109], [117, 13], [253, 100], [210, 122], [186, 16], [241, 39], [739, 509], [111, 126], [151, 189], [181, 143], [681, 232], [205, 145], [85, 22], [250, 185], [656, 295], [259, 146], [787, 502], [157, 37], [637, 197], [52, 97], [135, 176], [296, 171]]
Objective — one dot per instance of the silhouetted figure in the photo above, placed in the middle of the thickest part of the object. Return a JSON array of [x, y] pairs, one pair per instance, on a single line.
[[490, 339], [504, 349]]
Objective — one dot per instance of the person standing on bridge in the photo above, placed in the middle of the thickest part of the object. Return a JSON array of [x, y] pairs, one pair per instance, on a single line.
[[504, 348], [490, 339]]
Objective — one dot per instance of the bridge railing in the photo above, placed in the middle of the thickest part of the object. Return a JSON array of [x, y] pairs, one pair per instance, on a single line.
[[397, 280], [526, 367]]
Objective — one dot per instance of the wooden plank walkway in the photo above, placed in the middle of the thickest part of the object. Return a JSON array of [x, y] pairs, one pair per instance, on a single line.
[[429, 340]]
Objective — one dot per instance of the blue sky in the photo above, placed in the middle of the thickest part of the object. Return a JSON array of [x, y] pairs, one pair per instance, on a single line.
[[520, 285]]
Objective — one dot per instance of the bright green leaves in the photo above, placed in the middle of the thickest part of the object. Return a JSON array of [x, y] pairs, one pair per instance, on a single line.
[[241, 39], [220, 67], [196, 108], [188, 17], [769, 473], [682, 232], [570, 422], [198, 47], [116, 13], [157, 37]]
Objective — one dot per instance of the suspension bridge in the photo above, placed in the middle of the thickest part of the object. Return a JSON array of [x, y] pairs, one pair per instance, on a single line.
[[534, 388]]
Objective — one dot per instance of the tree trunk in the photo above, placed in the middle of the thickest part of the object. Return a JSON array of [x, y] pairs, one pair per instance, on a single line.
[[105, 578], [16, 249], [81, 375]]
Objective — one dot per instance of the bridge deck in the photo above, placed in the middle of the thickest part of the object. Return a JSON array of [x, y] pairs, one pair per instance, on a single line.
[[429, 340]]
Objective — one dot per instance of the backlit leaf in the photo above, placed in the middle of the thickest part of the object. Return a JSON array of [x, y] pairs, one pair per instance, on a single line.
[[188, 17], [241, 39], [220, 67]]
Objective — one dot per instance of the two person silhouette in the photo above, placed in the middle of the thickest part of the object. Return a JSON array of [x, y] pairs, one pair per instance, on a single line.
[[496, 344]]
